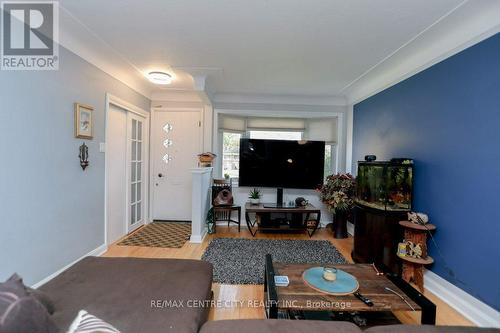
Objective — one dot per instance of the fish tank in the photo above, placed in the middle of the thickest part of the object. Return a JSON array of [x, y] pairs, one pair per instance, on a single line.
[[385, 185]]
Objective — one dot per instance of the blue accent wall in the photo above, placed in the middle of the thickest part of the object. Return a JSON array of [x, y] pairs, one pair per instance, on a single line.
[[448, 119]]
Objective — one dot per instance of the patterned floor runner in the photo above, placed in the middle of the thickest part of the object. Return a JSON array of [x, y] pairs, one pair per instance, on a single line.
[[160, 234]]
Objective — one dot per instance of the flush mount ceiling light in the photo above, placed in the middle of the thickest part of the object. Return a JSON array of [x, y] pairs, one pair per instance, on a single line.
[[160, 77]]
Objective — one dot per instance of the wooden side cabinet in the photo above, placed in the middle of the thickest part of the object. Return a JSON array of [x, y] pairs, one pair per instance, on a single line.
[[377, 234]]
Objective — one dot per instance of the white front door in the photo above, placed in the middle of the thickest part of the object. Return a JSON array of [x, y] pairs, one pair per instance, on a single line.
[[177, 142]]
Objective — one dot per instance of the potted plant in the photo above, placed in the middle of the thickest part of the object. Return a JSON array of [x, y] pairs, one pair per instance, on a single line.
[[254, 196], [338, 194]]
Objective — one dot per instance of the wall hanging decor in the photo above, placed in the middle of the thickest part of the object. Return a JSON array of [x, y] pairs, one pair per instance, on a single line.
[[84, 156], [83, 121]]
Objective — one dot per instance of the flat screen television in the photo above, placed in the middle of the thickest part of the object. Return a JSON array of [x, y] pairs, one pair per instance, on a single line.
[[281, 163]]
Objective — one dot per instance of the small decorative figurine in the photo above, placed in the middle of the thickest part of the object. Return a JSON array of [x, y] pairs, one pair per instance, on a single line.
[[301, 202], [418, 218], [402, 249], [413, 250], [84, 156]]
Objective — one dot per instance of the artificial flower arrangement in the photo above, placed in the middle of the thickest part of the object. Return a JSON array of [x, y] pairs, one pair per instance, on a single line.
[[338, 192]]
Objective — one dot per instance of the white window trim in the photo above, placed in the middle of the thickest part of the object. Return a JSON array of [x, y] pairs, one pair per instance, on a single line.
[[334, 157]]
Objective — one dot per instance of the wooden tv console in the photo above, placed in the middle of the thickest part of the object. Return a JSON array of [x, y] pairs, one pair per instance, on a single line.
[[293, 218]]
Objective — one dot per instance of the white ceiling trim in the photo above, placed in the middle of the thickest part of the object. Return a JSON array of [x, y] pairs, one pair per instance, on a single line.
[[471, 23], [76, 37], [402, 46], [280, 99], [464, 26], [280, 108]]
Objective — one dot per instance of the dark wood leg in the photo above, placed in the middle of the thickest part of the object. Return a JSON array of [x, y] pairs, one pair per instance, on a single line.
[[316, 224], [318, 221], [306, 221], [250, 225], [239, 219], [428, 308], [271, 297]]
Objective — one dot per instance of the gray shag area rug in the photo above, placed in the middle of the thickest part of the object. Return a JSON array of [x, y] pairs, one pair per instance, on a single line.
[[241, 261]]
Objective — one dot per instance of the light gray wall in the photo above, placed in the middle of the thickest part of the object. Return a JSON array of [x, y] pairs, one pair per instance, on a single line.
[[52, 212]]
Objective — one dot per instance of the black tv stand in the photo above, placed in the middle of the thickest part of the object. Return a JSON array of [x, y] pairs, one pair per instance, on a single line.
[[290, 219], [273, 205]]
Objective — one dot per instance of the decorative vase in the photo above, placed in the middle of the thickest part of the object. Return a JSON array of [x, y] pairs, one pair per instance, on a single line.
[[211, 228], [340, 224], [254, 201]]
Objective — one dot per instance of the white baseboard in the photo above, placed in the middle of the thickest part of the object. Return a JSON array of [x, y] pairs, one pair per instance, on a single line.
[[197, 239], [96, 252], [467, 305]]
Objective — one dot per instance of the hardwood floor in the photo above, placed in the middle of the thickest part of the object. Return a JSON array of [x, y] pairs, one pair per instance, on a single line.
[[254, 293]]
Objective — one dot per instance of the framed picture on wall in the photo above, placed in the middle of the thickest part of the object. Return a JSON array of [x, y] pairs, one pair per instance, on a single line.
[[83, 121]]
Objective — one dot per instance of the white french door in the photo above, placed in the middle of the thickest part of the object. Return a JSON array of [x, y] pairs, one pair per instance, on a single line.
[[137, 170]]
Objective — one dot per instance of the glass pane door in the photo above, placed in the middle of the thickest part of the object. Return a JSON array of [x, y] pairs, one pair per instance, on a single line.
[[136, 172]]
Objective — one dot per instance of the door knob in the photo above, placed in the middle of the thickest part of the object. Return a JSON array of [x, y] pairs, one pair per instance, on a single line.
[[160, 175]]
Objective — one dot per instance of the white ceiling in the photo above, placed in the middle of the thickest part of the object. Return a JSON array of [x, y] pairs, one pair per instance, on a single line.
[[281, 47]]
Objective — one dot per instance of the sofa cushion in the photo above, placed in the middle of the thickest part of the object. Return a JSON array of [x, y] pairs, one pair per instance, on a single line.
[[429, 329], [20, 312], [133, 294], [87, 323], [37, 294], [278, 326]]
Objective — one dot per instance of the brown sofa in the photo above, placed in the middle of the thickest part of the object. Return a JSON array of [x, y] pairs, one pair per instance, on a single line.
[[312, 326], [130, 294], [121, 292], [278, 326]]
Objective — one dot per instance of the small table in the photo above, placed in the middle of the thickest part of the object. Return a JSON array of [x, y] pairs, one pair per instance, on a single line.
[[298, 296], [298, 223], [413, 268]]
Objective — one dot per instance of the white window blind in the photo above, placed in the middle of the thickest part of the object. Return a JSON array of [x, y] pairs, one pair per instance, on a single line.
[[321, 129], [232, 123], [267, 123]]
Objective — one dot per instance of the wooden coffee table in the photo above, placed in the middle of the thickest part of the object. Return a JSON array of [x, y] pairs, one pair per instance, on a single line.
[[298, 296]]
